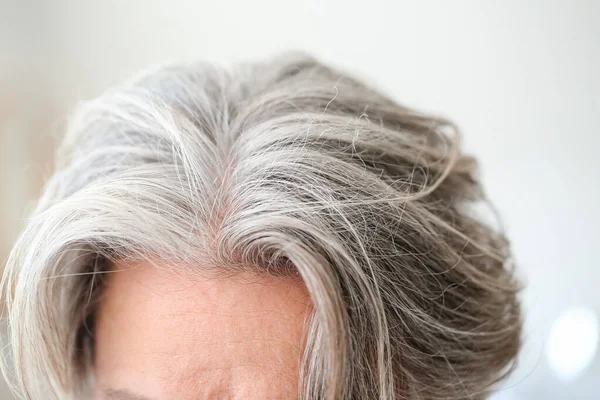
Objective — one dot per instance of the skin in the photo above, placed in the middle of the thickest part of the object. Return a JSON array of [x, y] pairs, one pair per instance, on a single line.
[[161, 335]]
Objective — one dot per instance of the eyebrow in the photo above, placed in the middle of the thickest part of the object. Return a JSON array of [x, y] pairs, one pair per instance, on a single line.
[[120, 394]]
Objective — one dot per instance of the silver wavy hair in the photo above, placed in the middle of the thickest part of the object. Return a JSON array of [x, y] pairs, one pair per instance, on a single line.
[[286, 167]]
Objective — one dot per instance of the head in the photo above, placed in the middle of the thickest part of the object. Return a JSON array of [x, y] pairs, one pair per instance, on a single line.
[[275, 230]]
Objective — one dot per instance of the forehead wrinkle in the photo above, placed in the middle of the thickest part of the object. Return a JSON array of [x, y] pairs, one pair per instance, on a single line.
[[202, 381], [119, 394], [182, 363]]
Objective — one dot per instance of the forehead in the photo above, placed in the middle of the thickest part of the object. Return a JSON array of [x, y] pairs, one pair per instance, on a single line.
[[167, 335]]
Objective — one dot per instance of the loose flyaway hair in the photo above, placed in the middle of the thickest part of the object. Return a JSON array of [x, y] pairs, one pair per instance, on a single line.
[[289, 168]]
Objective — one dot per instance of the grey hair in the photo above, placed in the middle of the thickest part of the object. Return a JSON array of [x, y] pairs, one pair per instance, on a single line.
[[286, 167]]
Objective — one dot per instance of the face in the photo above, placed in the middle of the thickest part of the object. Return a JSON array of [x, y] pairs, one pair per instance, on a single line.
[[162, 335]]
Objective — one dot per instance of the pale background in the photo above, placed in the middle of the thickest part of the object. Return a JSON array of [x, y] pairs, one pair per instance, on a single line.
[[520, 78]]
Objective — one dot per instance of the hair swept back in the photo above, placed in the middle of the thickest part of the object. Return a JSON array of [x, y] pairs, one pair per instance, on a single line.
[[287, 167]]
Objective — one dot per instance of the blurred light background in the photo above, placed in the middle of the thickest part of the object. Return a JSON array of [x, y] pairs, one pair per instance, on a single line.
[[520, 77]]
